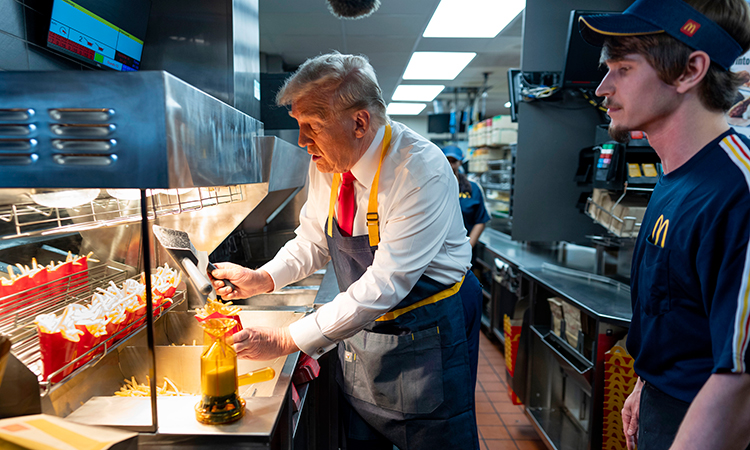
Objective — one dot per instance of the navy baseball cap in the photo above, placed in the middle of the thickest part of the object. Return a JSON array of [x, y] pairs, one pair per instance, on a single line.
[[454, 152], [674, 17]]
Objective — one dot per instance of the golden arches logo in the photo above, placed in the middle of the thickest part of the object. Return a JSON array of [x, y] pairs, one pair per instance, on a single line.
[[662, 226], [690, 28]]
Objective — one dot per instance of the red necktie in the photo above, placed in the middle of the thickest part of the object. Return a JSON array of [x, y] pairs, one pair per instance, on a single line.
[[347, 205]]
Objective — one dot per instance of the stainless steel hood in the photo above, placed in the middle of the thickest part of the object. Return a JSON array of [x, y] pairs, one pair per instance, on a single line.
[[144, 130], [122, 130]]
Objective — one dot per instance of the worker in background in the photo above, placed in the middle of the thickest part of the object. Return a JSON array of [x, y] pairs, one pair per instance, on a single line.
[[382, 205], [669, 76], [469, 196]]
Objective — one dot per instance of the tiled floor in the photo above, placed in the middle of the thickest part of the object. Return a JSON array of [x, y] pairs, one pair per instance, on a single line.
[[502, 425]]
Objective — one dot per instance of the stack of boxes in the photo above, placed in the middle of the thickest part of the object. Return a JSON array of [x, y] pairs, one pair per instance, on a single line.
[[619, 381], [622, 218], [512, 330], [496, 131], [488, 141]]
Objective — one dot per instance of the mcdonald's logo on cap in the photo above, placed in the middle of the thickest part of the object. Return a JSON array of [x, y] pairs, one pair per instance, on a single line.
[[690, 28]]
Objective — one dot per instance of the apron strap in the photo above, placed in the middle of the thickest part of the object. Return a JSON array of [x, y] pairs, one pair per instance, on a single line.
[[334, 195], [391, 315], [373, 220]]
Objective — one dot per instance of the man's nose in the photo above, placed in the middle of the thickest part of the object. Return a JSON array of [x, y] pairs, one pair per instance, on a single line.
[[303, 140], [605, 88]]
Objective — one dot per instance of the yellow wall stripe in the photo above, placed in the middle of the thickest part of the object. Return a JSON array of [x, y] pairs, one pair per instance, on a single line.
[[428, 301]]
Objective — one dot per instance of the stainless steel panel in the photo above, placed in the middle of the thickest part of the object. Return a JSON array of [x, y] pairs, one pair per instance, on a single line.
[[14, 114], [289, 163], [81, 114], [90, 131], [84, 145], [17, 144], [284, 297], [169, 133], [17, 129]]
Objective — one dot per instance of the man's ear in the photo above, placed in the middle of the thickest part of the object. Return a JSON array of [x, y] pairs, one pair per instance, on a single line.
[[695, 71], [362, 123]]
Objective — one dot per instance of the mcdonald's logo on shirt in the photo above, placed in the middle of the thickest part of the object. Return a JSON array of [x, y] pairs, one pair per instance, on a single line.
[[690, 28], [660, 231]]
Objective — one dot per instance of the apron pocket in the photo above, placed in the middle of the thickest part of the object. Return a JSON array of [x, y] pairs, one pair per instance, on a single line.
[[399, 373]]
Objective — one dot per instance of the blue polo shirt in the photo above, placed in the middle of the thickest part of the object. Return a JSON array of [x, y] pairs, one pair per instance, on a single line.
[[472, 207], [691, 265]]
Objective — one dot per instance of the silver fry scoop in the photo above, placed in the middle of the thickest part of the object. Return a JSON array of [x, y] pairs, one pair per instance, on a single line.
[[194, 263]]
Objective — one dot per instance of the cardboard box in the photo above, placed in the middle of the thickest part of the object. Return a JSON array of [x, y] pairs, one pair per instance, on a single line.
[[630, 210]]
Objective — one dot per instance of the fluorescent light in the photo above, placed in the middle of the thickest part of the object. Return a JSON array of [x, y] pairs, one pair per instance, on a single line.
[[404, 109], [472, 18], [507, 104], [419, 93], [437, 65]]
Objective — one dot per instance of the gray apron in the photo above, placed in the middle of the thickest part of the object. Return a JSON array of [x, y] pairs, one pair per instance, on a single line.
[[407, 374]]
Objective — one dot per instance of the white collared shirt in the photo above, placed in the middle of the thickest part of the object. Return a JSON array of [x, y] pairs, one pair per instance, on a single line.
[[421, 232]]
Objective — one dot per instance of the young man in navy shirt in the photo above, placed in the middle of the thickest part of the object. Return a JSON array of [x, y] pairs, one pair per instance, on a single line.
[[668, 76]]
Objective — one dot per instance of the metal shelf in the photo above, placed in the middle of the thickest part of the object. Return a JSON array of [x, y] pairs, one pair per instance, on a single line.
[[110, 208], [19, 311], [504, 187], [557, 429]]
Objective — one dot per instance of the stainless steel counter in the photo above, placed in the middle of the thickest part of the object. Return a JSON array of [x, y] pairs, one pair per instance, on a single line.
[[609, 301]]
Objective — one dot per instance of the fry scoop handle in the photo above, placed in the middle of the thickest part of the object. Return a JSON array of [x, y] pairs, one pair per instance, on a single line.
[[227, 283], [200, 280], [256, 376]]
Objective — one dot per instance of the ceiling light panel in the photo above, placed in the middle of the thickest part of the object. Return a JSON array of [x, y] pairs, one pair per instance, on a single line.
[[437, 65], [404, 109], [472, 18], [417, 93]]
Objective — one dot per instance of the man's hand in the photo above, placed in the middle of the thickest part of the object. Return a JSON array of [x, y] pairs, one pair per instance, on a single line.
[[248, 282], [631, 414], [263, 344]]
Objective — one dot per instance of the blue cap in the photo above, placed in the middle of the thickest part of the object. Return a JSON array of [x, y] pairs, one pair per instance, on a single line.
[[454, 152], [674, 17]]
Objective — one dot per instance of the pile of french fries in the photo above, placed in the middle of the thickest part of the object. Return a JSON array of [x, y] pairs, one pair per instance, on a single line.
[[213, 306], [133, 389], [26, 271]]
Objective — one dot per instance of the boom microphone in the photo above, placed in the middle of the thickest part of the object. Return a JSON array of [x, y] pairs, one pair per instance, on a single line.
[[352, 9]]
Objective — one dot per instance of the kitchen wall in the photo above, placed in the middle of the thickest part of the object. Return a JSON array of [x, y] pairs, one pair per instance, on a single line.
[[551, 134], [416, 123], [23, 38]]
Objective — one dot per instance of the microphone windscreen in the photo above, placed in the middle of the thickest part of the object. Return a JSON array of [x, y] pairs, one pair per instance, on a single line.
[[353, 9]]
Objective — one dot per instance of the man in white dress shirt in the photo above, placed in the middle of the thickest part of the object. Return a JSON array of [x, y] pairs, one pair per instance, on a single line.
[[407, 319]]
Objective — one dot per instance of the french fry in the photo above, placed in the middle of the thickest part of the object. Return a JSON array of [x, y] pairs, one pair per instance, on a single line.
[[133, 389]]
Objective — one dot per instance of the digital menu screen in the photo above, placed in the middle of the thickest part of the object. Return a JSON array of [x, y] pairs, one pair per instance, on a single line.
[[104, 33]]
